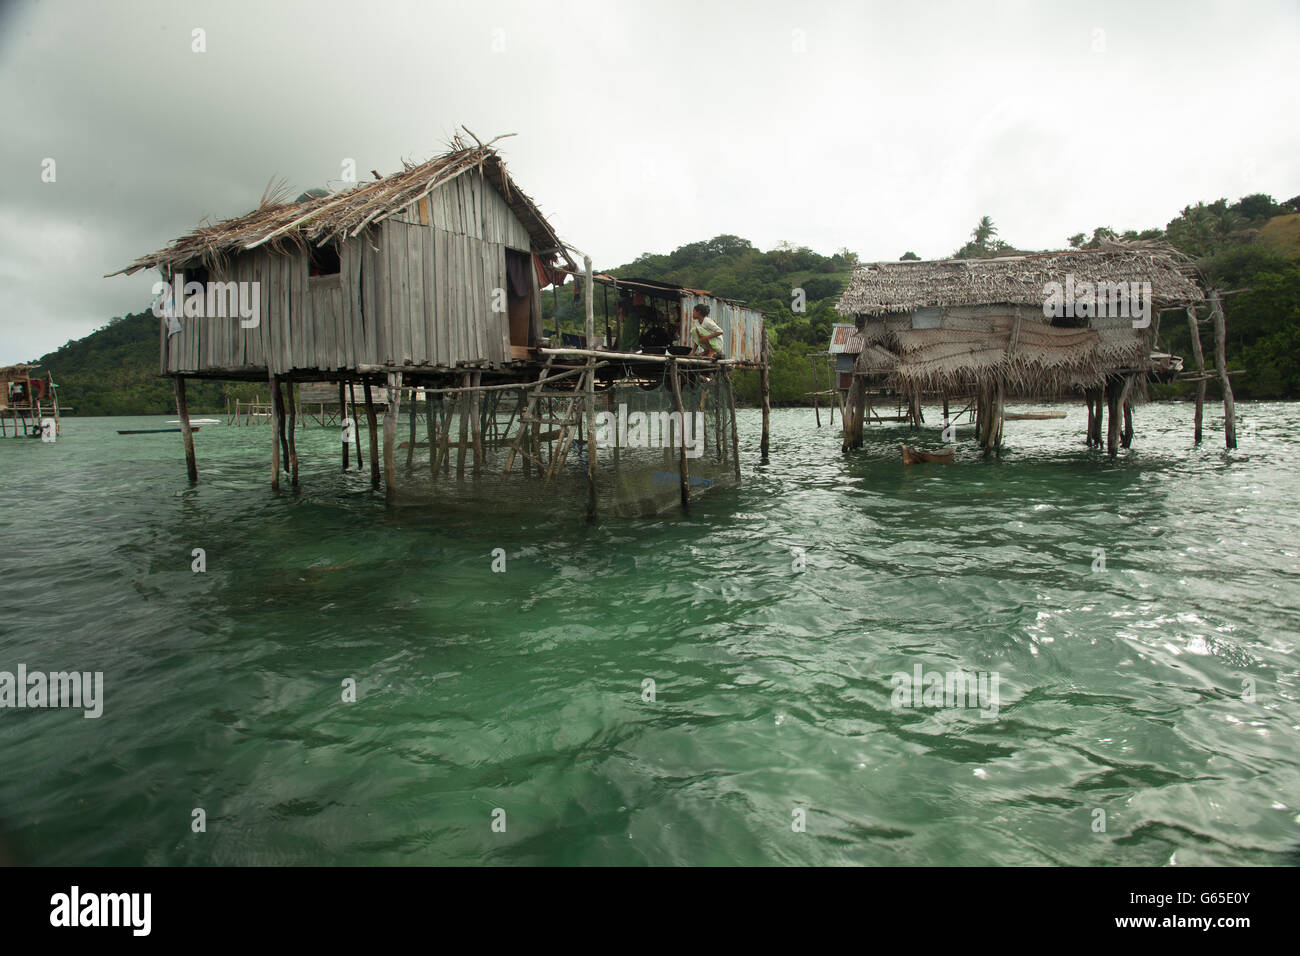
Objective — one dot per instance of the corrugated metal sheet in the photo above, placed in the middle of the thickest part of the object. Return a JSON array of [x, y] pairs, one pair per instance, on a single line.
[[844, 338], [742, 327]]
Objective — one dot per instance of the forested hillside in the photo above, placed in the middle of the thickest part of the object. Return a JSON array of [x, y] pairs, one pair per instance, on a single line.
[[1250, 249]]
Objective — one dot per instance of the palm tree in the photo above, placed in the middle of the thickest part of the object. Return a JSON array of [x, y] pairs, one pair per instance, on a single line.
[[984, 232]]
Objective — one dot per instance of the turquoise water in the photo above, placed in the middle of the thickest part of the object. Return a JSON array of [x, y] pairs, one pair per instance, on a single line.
[[1121, 690]]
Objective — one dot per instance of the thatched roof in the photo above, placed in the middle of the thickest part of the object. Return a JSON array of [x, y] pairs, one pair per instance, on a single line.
[[969, 351], [886, 287], [283, 226]]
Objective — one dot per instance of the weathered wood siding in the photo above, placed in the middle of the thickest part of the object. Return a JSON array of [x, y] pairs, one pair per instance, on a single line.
[[415, 289]]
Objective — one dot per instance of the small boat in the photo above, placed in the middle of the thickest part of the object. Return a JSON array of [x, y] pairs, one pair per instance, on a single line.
[[196, 421], [151, 431], [914, 456], [1031, 416]]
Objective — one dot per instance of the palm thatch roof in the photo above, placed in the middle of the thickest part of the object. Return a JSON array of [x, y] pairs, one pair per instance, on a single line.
[[887, 287], [966, 352], [285, 226]]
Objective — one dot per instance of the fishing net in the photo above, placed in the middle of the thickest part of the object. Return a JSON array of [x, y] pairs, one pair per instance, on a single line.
[[529, 451]]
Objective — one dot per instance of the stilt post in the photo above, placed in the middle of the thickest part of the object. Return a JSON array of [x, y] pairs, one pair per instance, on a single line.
[[293, 444], [394, 395], [276, 412], [373, 426], [591, 393], [1221, 363], [765, 386], [1195, 331], [183, 413]]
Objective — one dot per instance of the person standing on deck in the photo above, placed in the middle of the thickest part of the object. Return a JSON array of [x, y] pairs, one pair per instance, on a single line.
[[706, 332]]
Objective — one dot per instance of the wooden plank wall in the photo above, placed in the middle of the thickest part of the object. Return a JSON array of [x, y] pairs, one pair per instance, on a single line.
[[416, 289]]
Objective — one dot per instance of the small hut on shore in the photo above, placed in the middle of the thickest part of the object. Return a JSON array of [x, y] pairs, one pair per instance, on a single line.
[[1032, 326], [428, 283]]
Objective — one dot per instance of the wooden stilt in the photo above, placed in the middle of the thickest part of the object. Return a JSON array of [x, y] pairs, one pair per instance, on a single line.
[[1200, 372], [590, 400], [817, 414], [1001, 415], [852, 414], [735, 435], [765, 387], [1087, 431], [373, 426], [356, 424], [476, 422], [1113, 388], [281, 421], [859, 414], [683, 467], [343, 414], [410, 443], [394, 395], [293, 444], [430, 427], [276, 413], [183, 413], [1221, 363], [524, 438], [462, 410]]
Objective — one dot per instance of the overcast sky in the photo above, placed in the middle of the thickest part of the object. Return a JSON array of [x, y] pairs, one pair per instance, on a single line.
[[641, 126]]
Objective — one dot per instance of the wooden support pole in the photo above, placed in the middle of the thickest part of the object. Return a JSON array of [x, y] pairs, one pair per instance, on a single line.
[[462, 410], [431, 428], [1200, 373], [765, 387], [281, 421], [851, 414], [183, 413], [1221, 363], [410, 444], [356, 424], [373, 426], [735, 435], [999, 415], [1113, 388], [343, 414], [525, 437], [591, 395], [817, 414], [683, 467], [394, 395], [275, 434], [293, 444], [476, 422]]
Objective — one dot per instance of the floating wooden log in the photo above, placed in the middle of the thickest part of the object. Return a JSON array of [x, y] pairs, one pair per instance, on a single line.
[[916, 456]]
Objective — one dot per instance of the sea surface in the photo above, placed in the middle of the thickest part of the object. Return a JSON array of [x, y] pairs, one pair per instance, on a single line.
[[727, 687]]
